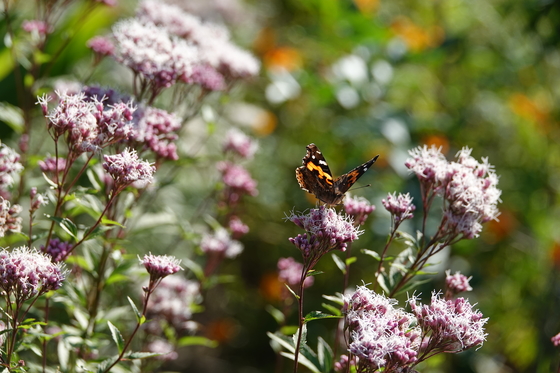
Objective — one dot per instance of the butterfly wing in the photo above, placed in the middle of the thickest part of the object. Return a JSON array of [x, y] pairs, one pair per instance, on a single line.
[[345, 182], [314, 170]]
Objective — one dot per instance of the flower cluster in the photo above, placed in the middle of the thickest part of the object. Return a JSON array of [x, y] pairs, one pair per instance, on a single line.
[[290, 272], [125, 168], [326, 230], [215, 49], [449, 325], [556, 340], [88, 124], [358, 208], [237, 227], [9, 166], [152, 129], [237, 180], [160, 266], [455, 284], [9, 221], [52, 165], [101, 45], [25, 273], [400, 207], [155, 129], [220, 242], [382, 336], [173, 303], [57, 250], [468, 187], [239, 143]]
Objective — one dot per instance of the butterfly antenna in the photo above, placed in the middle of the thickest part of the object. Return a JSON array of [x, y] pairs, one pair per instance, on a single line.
[[363, 186]]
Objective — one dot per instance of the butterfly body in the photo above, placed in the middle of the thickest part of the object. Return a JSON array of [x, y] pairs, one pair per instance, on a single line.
[[315, 177]]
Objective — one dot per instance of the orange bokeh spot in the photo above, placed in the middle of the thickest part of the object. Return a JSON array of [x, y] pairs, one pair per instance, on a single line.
[[526, 108], [416, 37], [271, 287], [367, 6], [555, 254], [221, 330], [439, 141], [502, 228], [265, 123], [283, 57]]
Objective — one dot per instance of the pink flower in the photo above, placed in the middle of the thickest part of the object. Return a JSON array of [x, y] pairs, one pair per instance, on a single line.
[[9, 221], [238, 179], [125, 168], [57, 250], [52, 165], [160, 266], [237, 227], [556, 340], [290, 271], [238, 142], [101, 45], [449, 326], [9, 166], [156, 130], [400, 207], [150, 51], [326, 230], [25, 273], [456, 284], [358, 208], [35, 26], [381, 336], [220, 242]]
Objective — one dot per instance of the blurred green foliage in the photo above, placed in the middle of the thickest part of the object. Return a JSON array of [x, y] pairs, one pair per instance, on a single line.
[[454, 73]]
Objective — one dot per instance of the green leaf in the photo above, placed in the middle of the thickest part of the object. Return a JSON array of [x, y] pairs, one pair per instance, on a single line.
[[339, 263], [197, 341], [66, 224], [117, 336], [109, 222], [332, 309], [325, 355], [288, 329], [382, 283], [318, 315], [276, 314], [372, 253], [194, 267], [338, 299], [303, 341], [12, 116], [291, 291], [134, 308], [102, 367], [314, 273], [136, 355], [351, 260]]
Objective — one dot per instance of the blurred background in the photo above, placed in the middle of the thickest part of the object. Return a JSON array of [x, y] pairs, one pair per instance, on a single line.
[[360, 78]]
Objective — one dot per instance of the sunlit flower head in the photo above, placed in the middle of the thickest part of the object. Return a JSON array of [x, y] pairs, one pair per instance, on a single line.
[[382, 336], [25, 273], [455, 284], [449, 325], [9, 219], [9, 166], [400, 207], [160, 266], [358, 208], [326, 230], [125, 168]]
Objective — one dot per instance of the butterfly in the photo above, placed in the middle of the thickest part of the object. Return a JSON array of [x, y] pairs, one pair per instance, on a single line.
[[315, 177]]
